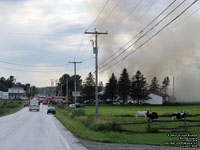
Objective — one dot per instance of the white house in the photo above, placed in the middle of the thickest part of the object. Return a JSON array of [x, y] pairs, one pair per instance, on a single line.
[[16, 93], [155, 99], [1, 94], [4, 95]]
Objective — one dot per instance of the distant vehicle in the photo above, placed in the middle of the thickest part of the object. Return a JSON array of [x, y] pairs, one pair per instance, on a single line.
[[34, 105], [26, 104], [51, 110], [78, 105], [89, 102], [44, 102]]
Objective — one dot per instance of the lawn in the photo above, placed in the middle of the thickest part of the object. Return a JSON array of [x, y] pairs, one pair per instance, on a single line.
[[10, 106], [87, 127]]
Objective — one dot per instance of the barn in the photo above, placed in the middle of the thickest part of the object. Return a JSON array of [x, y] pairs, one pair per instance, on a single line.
[[155, 99]]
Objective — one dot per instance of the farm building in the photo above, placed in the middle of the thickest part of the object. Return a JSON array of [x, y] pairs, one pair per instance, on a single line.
[[3, 95], [16, 93], [155, 99]]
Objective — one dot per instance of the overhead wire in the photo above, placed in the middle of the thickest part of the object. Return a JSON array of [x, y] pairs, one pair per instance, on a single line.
[[143, 34], [152, 36], [32, 65], [139, 32], [98, 15]]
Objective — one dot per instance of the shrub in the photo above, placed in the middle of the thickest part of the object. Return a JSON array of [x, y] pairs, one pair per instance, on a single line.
[[78, 113]]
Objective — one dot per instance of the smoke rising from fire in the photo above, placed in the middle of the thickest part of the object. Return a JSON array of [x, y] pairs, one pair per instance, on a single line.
[[173, 52]]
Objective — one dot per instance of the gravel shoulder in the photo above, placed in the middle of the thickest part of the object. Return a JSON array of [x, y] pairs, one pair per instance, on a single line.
[[91, 145]]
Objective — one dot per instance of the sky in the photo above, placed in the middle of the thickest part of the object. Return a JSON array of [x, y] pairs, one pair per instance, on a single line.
[[39, 38]]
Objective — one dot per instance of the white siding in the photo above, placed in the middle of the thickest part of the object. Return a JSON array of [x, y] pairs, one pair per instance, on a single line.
[[16, 90], [5, 95], [1, 94], [155, 99]]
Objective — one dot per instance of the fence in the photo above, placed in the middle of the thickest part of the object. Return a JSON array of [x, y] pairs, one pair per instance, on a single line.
[[149, 126]]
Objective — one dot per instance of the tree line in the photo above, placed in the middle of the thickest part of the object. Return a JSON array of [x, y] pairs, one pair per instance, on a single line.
[[136, 87]]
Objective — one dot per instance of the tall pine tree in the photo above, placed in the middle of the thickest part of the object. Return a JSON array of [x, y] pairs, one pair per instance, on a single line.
[[111, 87], [165, 85], [89, 87], [124, 85], [139, 87], [154, 87]]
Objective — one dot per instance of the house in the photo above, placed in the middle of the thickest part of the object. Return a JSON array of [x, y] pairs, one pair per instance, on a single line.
[[155, 99], [16, 93], [4, 95]]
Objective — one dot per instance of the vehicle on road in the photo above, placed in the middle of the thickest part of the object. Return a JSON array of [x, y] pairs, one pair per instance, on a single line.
[[26, 104], [51, 110], [78, 105], [34, 105], [44, 103]]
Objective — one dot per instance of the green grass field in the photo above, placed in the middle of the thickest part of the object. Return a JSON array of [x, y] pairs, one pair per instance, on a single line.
[[10, 106], [87, 127]]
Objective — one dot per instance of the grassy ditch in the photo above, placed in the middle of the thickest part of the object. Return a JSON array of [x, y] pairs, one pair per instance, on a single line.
[[83, 124], [10, 106]]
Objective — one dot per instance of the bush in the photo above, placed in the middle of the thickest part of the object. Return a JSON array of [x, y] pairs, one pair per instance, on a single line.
[[11, 105], [78, 113]]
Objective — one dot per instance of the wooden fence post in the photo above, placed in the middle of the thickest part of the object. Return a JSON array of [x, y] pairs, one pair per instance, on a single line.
[[149, 124], [185, 123], [114, 126]]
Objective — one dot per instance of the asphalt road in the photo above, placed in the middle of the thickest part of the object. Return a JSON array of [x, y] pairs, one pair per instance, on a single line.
[[26, 130]]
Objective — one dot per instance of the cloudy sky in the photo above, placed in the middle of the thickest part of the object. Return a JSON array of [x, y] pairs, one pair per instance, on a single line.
[[39, 38]]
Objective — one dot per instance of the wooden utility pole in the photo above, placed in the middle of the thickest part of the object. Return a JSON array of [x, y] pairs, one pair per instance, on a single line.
[[66, 93], [95, 50], [75, 80]]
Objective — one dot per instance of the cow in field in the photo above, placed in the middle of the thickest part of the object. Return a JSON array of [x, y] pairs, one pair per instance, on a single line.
[[141, 114], [152, 116], [177, 115]]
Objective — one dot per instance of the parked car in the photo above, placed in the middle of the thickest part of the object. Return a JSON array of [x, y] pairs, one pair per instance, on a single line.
[[26, 104], [51, 110], [78, 105]]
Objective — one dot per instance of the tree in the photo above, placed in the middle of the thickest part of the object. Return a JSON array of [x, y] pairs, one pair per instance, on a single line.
[[139, 87], [10, 81], [165, 85], [111, 88], [62, 84], [154, 87], [89, 87], [100, 87], [124, 85]]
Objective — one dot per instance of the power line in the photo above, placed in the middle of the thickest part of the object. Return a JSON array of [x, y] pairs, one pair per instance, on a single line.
[[30, 65], [152, 36], [139, 32], [35, 71], [98, 15], [110, 12], [142, 35]]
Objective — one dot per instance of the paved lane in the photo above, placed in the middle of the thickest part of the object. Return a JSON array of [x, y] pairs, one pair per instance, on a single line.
[[26, 130]]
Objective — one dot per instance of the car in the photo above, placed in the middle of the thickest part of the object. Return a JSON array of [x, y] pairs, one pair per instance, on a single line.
[[26, 104], [51, 110], [78, 105], [44, 102]]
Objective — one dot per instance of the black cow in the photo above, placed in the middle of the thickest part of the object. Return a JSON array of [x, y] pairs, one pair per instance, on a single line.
[[176, 115], [152, 116]]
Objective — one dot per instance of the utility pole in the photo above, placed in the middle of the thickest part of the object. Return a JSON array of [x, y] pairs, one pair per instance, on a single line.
[[95, 51], [67, 94], [75, 62]]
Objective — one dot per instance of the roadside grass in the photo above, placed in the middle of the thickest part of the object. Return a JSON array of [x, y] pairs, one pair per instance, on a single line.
[[10, 106], [87, 127]]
